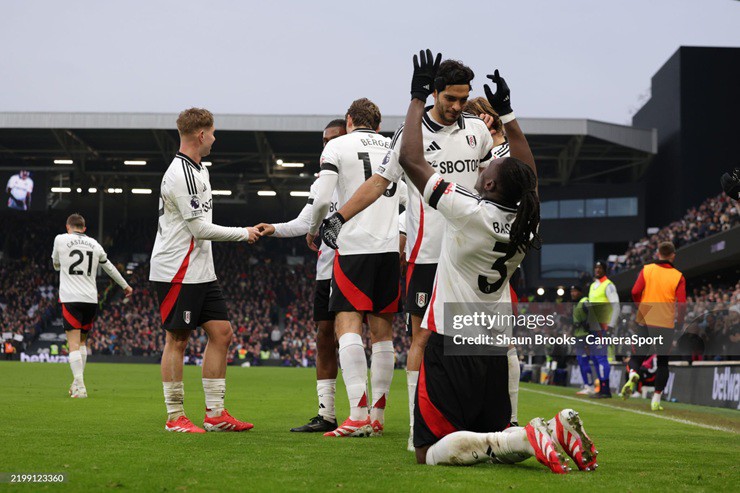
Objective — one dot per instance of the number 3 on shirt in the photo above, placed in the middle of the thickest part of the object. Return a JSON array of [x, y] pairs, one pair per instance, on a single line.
[[498, 266]]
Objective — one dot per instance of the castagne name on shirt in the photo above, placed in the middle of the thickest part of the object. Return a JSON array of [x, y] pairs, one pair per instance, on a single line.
[[78, 242]]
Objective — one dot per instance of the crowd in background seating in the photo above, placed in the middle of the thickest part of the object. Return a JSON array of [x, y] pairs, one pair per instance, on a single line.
[[715, 215], [269, 288]]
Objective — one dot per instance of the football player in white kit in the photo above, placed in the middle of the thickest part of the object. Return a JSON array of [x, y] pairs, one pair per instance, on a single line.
[[181, 268], [365, 277], [20, 188], [462, 413], [77, 256], [481, 107], [457, 145]]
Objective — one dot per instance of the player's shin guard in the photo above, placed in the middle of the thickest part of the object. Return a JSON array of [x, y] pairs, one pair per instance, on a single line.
[[514, 375], [461, 448], [174, 397], [585, 366], [326, 389], [215, 390], [381, 375], [412, 380], [464, 448], [75, 363], [353, 361], [83, 353]]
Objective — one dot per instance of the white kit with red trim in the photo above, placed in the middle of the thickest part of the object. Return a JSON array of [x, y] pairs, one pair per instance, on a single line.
[[475, 265], [186, 195], [77, 256], [456, 151]]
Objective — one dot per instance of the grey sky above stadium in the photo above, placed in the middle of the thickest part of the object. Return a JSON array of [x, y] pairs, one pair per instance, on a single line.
[[562, 58]]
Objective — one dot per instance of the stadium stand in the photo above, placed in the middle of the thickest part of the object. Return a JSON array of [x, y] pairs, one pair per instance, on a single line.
[[714, 215], [269, 286]]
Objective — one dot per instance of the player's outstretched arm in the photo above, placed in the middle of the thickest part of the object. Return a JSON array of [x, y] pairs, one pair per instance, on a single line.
[[411, 156], [501, 103], [291, 229], [325, 185], [203, 230], [113, 273]]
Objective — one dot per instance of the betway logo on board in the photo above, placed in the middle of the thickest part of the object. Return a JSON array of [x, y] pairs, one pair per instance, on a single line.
[[726, 386], [43, 358]]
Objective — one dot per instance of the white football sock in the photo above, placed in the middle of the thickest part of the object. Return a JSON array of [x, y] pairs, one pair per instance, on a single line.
[[412, 380], [656, 399], [464, 448], [83, 353], [514, 375], [353, 362], [215, 389], [381, 375], [75, 362], [174, 396], [326, 390]]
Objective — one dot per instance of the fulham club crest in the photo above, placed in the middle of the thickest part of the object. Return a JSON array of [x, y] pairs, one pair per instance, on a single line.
[[186, 316], [421, 300], [471, 141]]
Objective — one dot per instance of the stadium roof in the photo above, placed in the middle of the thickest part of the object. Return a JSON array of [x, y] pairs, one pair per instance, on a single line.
[[248, 147]]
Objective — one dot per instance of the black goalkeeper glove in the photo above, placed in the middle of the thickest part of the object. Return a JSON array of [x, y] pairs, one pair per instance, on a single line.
[[331, 228], [425, 71], [500, 100], [731, 184]]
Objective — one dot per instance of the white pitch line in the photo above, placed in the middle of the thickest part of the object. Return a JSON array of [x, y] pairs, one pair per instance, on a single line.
[[643, 413]]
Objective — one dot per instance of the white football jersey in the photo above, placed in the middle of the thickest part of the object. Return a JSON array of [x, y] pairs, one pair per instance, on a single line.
[[501, 150], [19, 190], [474, 265], [19, 187], [455, 151], [185, 195], [300, 226], [77, 256], [354, 158]]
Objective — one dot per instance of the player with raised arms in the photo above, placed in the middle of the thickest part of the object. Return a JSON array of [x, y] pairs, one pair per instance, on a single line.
[[185, 279], [463, 410], [77, 256], [456, 144]]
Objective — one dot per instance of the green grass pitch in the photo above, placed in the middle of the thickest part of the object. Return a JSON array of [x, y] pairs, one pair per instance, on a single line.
[[115, 440]]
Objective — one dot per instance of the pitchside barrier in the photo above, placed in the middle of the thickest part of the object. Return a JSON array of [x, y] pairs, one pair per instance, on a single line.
[[706, 383], [46, 357]]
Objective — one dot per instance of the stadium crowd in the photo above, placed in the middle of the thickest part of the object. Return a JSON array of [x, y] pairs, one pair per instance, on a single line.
[[714, 215], [270, 299], [270, 290]]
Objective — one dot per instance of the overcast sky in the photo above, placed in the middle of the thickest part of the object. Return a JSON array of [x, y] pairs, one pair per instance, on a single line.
[[562, 58]]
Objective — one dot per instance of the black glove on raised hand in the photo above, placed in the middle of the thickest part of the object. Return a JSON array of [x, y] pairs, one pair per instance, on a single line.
[[731, 184], [331, 227], [500, 100], [422, 83]]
